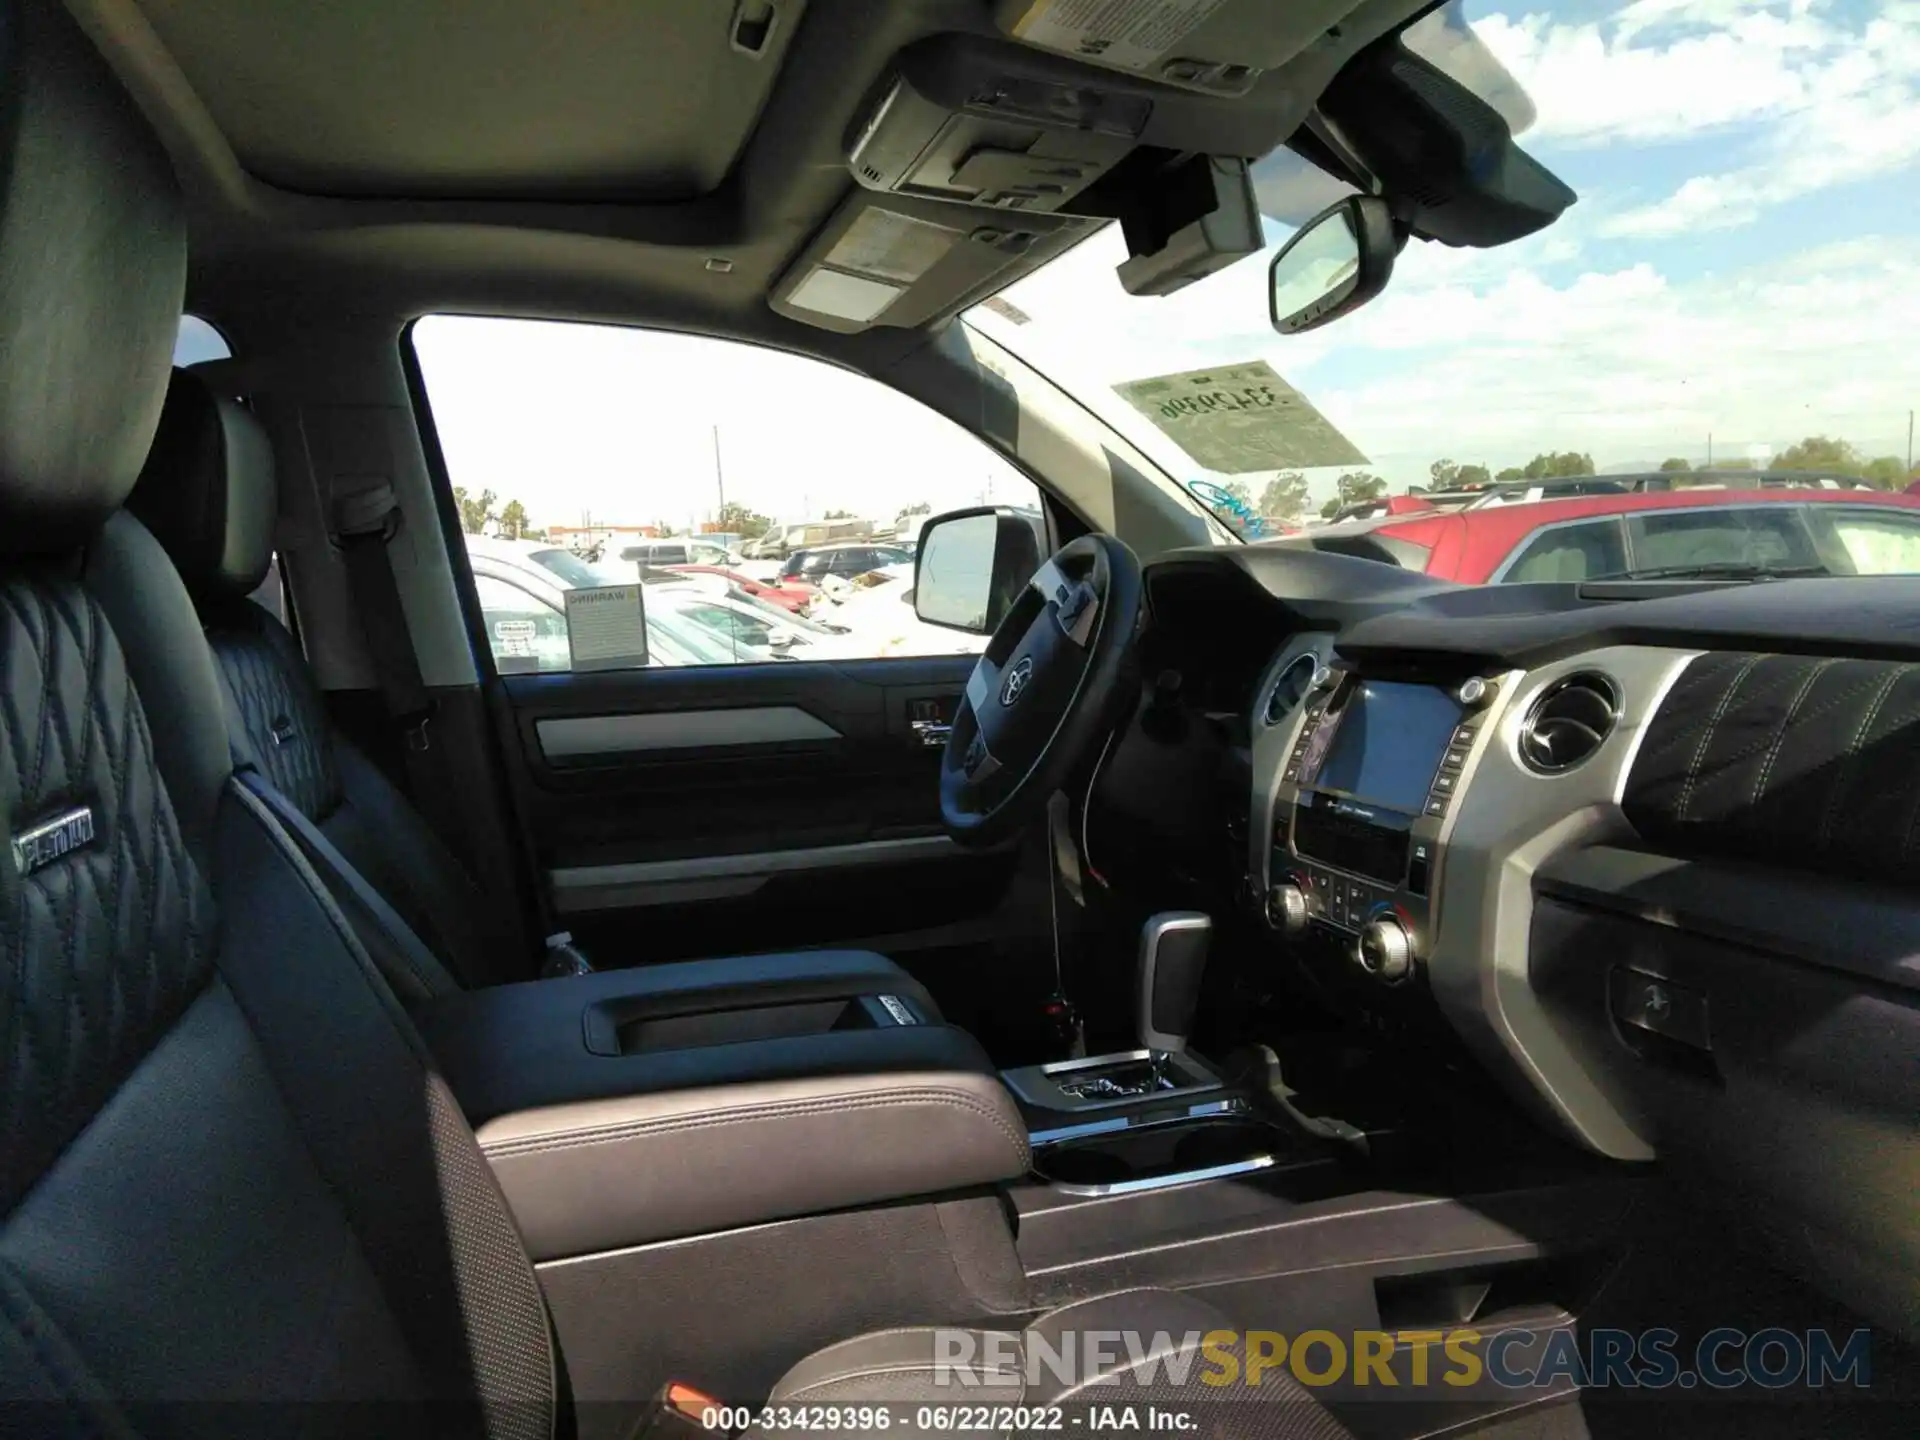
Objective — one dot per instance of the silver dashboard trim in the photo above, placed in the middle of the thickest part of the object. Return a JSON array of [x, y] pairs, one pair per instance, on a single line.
[[1504, 823]]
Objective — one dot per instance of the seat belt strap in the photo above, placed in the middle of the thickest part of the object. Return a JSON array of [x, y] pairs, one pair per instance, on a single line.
[[365, 523], [401, 955]]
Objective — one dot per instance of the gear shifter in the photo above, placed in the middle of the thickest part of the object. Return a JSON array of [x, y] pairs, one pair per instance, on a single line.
[[1173, 954]]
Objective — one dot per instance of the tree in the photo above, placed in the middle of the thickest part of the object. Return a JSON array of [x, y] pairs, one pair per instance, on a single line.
[[1241, 493], [1675, 466], [1285, 497], [923, 508], [475, 510], [1353, 488], [513, 520], [747, 523], [1555, 465], [1818, 452], [1889, 472], [1448, 476], [1511, 473], [838, 515]]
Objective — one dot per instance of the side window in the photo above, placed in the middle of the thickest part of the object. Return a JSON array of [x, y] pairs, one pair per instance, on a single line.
[[568, 436], [1877, 542], [1569, 554], [1773, 535], [198, 341]]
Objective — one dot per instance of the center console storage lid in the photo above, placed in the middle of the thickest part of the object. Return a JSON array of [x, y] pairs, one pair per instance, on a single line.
[[638, 1105], [610, 1173]]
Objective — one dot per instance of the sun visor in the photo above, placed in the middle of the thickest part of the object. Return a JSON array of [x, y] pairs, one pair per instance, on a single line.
[[899, 262]]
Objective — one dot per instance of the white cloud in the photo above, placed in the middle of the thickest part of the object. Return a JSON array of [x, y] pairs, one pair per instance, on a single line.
[[1809, 100], [1630, 365]]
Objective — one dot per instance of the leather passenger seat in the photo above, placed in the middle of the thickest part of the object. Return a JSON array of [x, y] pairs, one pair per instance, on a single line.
[[208, 493], [235, 1196]]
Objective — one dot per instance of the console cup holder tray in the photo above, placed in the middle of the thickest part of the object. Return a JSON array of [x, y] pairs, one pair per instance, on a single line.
[[1145, 1157]]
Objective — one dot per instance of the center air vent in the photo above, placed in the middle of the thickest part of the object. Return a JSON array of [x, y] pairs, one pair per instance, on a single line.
[[1571, 719], [1291, 688]]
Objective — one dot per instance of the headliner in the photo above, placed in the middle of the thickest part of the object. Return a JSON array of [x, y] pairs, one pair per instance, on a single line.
[[515, 158]]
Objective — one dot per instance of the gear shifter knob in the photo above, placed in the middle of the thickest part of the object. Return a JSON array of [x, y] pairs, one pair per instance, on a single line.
[[1173, 953]]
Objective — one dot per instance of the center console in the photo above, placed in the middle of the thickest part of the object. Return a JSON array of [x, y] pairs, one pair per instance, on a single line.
[[1360, 776], [642, 1105]]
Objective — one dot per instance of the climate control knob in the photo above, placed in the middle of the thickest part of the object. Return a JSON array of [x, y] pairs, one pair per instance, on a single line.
[[1288, 909], [1385, 950]]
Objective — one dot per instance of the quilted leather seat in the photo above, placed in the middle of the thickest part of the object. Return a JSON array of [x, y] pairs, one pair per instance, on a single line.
[[208, 493]]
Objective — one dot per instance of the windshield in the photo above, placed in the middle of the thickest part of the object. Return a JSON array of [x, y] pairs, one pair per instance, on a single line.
[[1734, 293]]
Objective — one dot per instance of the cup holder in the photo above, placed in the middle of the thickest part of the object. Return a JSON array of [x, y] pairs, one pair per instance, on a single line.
[[1157, 1152]]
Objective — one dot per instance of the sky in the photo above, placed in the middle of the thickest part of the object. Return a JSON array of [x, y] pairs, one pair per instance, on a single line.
[[1741, 264]]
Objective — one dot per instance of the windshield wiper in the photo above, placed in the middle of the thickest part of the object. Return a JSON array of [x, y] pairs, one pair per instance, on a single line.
[[1715, 570]]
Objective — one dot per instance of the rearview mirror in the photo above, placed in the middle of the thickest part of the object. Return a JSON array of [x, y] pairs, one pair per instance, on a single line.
[[972, 565], [1334, 264]]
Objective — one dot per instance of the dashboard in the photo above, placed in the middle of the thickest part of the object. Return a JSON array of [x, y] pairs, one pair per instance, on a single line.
[[1648, 852]]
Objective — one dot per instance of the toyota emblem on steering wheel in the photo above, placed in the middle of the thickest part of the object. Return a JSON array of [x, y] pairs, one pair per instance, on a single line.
[[1015, 684]]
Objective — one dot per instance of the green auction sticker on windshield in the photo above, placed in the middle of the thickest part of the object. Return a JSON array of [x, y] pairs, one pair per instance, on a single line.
[[1239, 418]]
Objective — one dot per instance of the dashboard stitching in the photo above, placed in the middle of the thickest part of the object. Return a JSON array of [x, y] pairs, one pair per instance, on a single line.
[[1786, 725], [1845, 773], [1700, 751]]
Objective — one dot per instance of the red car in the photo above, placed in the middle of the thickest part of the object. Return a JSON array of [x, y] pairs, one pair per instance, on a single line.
[[1781, 530], [792, 598]]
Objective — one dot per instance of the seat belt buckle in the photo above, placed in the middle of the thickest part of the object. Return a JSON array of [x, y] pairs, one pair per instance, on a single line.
[[677, 1411], [563, 959], [415, 729]]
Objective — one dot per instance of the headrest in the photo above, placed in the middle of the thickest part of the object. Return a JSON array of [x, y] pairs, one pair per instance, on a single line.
[[93, 264], [208, 491]]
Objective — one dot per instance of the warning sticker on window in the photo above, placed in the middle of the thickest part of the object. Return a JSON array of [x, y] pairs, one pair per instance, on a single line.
[[1240, 418], [1131, 34], [606, 627]]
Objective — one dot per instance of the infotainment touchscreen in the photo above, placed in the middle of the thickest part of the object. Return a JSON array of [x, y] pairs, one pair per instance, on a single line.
[[1386, 743]]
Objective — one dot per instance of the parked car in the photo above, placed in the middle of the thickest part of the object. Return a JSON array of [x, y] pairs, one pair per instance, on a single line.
[[524, 609], [786, 597], [680, 550], [746, 631], [844, 560], [1805, 528]]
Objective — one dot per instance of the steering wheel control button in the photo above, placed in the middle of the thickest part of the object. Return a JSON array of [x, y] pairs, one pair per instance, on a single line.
[[1463, 735], [1385, 950], [1454, 759], [1436, 805], [1443, 783]]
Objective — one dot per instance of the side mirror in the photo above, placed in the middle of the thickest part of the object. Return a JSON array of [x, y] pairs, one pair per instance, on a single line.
[[1334, 264], [973, 564]]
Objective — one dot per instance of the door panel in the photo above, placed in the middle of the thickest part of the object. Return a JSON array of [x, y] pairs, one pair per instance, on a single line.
[[685, 812]]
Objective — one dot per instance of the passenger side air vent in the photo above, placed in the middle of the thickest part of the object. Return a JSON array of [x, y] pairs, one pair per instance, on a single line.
[[1569, 722]]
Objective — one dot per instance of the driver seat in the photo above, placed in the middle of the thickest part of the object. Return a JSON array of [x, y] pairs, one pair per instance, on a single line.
[[208, 494]]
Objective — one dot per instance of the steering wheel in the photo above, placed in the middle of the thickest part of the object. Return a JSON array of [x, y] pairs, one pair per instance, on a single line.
[[1052, 680]]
